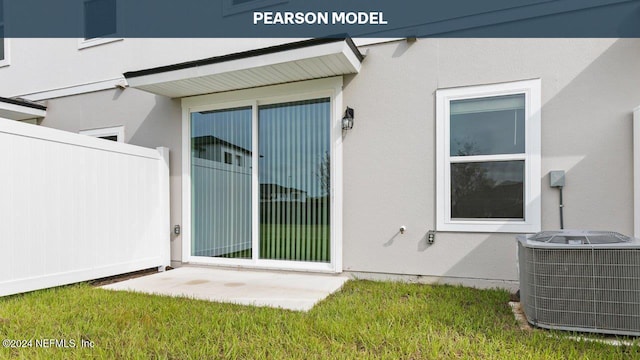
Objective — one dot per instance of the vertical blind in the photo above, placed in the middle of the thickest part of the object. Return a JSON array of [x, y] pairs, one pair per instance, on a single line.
[[294, 142]]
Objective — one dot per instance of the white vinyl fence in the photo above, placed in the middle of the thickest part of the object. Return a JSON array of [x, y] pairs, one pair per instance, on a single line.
[[218, 185], [76, 208]]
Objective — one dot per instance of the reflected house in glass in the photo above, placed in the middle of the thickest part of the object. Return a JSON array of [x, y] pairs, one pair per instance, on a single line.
[[275, 192], [215, 149]]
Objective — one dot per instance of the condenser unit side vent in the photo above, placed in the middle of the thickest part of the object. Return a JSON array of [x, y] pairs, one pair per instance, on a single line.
[[581, 281]]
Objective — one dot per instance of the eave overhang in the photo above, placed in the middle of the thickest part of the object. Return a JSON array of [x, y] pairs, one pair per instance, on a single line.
[[17, 109], [303, 60]]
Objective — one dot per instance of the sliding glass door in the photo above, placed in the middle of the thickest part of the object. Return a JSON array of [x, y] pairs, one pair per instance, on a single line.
[[286, 196]]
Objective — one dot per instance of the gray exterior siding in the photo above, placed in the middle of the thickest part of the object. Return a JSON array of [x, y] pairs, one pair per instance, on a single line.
[[589, 89]]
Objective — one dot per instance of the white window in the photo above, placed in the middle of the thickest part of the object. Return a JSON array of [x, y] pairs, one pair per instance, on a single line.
[[115, 133], [100, 22], [488, 158], [230, 7], [4, 43], [227, 158]]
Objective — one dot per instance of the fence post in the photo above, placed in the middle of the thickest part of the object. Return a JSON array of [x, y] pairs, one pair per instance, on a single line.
[[164, 236]]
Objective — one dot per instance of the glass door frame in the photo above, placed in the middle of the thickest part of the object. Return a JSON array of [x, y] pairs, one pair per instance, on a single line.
[[313, 89]]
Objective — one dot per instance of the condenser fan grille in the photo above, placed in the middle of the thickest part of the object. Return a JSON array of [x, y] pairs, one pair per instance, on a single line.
[[580, 237]]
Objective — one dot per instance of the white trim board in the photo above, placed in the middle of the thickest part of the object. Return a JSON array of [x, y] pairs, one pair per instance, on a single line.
[[88, 43], [119, 82]]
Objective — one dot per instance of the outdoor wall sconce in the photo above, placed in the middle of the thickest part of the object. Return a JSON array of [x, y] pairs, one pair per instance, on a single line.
[[347, 119]]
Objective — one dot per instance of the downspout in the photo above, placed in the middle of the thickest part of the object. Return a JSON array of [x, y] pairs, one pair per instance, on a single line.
[[636, 172]]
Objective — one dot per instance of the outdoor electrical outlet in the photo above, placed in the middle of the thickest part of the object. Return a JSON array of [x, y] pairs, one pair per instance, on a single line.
[[431, 236], [176, 229]]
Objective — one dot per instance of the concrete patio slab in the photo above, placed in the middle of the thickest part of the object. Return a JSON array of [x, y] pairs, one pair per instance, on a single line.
[[293, 291]]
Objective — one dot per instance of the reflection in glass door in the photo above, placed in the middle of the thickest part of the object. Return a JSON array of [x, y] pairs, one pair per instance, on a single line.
[[295, 148], [221, 183], [291, 182]]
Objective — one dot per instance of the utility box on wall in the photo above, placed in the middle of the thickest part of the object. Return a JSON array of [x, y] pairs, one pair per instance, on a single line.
[[556, 178]]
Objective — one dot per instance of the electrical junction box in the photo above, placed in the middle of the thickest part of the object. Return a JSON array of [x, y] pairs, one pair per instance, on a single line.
[[556, 178]]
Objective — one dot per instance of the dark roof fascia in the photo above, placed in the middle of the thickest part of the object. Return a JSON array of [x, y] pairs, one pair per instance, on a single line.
[[23, 103], [247, 54]]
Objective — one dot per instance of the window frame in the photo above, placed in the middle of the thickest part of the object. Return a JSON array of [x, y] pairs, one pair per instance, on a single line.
[[532, 178], [4, 42], [229, 8], [274, 94], [7, 60], [228, 158], [117, 131], [109, 38]]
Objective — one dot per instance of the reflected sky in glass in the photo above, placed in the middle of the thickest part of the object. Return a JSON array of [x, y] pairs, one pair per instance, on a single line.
[[294, 140], [295, 144], [487, 126], [230, 125]]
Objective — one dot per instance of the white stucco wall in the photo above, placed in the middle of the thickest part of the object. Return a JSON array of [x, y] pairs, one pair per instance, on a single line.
[[48, 64], [589, 88]]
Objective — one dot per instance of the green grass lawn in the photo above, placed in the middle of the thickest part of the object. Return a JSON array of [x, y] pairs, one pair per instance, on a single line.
[[364, 320], [298, 242]]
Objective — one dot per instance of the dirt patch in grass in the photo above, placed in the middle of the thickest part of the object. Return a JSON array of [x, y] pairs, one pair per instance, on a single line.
[[122, 277], [514, 297], [516, 307]]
